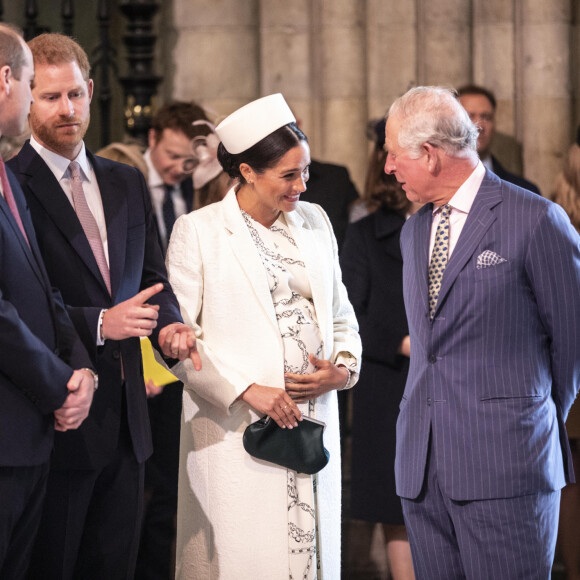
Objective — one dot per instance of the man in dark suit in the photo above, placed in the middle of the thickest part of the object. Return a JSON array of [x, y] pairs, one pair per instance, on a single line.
[[39, 390], [330, 186], [494, 321], [480, 105], [170, 162], [98, 237]]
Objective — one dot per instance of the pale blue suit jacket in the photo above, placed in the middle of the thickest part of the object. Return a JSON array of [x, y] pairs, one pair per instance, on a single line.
[[493, 376]]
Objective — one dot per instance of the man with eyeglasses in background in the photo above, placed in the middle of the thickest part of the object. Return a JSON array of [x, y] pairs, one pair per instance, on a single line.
[[480, 104]]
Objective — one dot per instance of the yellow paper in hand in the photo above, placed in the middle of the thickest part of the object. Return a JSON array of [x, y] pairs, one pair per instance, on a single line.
[[152, 370]]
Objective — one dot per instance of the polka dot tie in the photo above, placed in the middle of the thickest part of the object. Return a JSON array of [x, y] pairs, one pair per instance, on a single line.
[[438, 258]]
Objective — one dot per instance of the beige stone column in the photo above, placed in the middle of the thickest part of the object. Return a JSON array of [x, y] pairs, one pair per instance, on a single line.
[[339, 81], [285, 56], [494, 57], [444, 37], [391, 52], [575, 66], [544, 65], [215, 57]]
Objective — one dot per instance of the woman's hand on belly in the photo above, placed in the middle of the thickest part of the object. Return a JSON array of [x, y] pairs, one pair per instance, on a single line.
[[273, 402], [325, 378]]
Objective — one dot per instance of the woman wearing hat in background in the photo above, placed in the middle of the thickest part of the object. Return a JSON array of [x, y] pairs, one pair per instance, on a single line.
[[257, 277]]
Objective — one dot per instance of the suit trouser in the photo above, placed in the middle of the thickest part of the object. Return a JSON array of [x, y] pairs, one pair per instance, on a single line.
[[22, 492], [156, 559], [508, 538], [91, 520]]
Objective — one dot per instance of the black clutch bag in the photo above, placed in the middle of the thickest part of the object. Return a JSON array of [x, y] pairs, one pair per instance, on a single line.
[[300, 449]]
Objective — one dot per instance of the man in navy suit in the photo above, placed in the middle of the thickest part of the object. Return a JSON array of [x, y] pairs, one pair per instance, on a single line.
[[100, 244], [39, 390], [494, 321], [480, 104]]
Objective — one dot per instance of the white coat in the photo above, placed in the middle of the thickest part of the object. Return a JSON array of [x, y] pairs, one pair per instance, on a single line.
[[232, 508]]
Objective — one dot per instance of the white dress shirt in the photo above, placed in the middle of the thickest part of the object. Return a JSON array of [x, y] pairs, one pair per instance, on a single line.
[[157, 192], [460, 204], [59, 167]]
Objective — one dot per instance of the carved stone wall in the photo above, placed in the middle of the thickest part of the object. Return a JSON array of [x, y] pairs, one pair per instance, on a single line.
[[341, 62]]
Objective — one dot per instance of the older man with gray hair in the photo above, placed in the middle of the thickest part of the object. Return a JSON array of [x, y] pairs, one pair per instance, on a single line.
[[492, 291]]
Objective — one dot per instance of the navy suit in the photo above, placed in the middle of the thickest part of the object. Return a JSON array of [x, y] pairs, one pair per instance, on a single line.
[[493, 375], [372, 271], [34, 332], [118, 420], [504, 174]]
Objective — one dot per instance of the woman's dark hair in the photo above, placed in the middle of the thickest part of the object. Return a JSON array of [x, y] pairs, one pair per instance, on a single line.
[[382, 190], [264, 154]]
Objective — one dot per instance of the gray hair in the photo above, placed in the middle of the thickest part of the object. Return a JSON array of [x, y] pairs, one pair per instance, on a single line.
[[434, 115]]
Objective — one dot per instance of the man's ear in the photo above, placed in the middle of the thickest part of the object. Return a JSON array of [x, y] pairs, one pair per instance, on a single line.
[[151, 138], [5, 79], [432, 155], [90, 88]]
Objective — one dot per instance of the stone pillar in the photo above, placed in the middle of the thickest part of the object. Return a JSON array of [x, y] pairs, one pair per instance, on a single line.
[[391, 52], [285, 58], [544, 65], [215, 57], [494, 57], [575, 66], [340, 66], [444, 37]]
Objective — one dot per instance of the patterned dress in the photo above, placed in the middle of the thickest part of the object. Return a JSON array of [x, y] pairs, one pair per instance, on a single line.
[[301, 336]]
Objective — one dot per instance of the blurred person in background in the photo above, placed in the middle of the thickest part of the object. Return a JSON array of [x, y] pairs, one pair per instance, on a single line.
[[480, 104], [372, 269], [566, 192]]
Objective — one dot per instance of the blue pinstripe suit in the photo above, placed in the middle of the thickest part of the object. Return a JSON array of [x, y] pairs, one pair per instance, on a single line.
[[493, 376]]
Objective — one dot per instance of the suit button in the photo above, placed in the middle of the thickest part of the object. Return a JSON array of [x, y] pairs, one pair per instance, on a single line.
[[116, 354], [432, 358], [57, 351], [429, 401]]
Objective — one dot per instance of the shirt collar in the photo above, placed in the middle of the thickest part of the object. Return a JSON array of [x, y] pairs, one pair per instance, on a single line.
[[465, 195], [488, 162], [153, 176], [59, 164]]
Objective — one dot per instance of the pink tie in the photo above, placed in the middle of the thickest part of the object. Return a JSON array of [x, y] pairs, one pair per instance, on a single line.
[[88, 222], [9, 196]]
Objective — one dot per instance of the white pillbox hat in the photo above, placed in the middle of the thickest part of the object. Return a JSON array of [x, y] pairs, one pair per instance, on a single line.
[[254, 121]]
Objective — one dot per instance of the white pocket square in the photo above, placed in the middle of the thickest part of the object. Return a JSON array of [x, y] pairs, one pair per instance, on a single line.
[[488, 258]]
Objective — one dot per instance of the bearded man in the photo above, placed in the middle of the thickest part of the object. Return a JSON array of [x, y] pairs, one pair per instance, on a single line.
[[98, 237]]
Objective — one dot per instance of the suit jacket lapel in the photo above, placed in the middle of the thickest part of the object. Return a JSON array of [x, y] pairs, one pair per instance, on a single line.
[[116, 217], [246, 254], [32, 253], [45, 187], [187, 193], [478, 222], [421, 234]]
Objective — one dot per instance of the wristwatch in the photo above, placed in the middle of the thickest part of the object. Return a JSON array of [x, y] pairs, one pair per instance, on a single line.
[[95, 376]]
